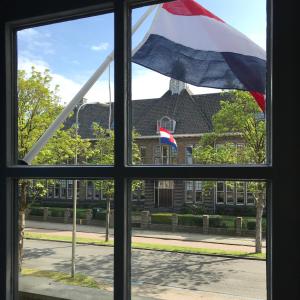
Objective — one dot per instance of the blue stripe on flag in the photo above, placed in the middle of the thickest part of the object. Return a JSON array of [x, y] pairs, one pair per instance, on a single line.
[[202, 68], [164, 140]]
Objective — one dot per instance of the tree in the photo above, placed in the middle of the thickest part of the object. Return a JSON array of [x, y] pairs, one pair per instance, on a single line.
[[103, 153], [38, 106], [239, 115]]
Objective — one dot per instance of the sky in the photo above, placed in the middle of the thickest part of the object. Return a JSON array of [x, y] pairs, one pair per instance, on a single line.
[[73, 50]]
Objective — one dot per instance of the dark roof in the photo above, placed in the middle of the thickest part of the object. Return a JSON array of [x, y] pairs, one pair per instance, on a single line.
[[192, 113]]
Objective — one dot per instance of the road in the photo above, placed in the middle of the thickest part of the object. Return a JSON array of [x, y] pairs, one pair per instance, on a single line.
[[161, 275]]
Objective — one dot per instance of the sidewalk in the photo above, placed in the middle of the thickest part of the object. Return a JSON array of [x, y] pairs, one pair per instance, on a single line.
[[196, 240]]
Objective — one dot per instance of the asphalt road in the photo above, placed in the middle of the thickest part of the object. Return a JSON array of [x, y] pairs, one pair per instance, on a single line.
[[158, 274]]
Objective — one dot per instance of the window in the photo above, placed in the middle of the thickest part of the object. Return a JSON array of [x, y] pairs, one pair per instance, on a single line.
[[70, 189], [189, 155], [89, 190], [167, 123], [230, 192], [143, 154], [56, 189], [193, 192], [50, 190], [63, 189], [220, 192], [189, 191], [282, 54], [240, 193], [165, 154]]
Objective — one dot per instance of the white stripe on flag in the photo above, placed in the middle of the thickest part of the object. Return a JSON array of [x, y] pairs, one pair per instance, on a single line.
[[164, 134], [203, 33]]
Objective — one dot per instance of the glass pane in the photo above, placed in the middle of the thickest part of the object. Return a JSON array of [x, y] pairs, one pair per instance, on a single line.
[[50, 264], [187, 249], [187, 95], [54, 64]]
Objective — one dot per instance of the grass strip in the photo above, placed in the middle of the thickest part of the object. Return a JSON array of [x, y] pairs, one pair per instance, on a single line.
[[148, 246], [65, 278]]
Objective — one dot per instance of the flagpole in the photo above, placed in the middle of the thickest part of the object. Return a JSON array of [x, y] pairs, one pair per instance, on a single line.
[[28, 158]]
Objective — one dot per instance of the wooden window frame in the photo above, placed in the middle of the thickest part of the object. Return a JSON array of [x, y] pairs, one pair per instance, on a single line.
[[282, 269]]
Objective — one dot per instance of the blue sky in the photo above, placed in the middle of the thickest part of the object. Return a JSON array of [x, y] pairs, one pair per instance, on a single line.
[[73, 50]]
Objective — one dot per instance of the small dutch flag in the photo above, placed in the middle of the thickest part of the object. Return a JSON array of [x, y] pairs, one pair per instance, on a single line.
[[167, 138]]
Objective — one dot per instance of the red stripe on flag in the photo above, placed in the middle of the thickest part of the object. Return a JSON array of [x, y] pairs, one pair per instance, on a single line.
[[164, 130], [260, 100], [188, 8]]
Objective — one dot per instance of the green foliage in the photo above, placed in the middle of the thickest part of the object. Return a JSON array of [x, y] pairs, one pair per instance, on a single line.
[[56, 212], [237, 116], [190, 220], [37, 211], [161, 218], [217, 221], [99, 214], [193, 208]]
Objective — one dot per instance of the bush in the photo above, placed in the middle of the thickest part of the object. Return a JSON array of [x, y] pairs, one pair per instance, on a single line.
[[250, 224], [37, 211], [99, 214], [162, 218], [217, 221], [193, 209], [56, 212], [190, 220], [81, 213]]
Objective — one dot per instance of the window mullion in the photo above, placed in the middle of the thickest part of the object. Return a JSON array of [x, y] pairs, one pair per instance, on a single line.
[[122, 253]]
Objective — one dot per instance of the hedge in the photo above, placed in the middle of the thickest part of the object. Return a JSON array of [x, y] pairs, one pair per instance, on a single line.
[[190, 220], [37, 211], [163, 218]]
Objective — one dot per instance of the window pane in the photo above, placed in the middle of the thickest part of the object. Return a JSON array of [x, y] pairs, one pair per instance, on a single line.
[[54, 63], [45, 232], [170, 243], [179, 91]]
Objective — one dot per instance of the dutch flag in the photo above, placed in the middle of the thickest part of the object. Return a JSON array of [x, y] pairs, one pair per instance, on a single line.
[[167, 138], [189, 43]]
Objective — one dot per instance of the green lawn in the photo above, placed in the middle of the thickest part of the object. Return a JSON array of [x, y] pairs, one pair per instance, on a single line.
[[148, 246], [65, 278]]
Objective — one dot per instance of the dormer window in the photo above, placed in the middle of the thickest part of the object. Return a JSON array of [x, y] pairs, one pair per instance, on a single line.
[[167, 123]]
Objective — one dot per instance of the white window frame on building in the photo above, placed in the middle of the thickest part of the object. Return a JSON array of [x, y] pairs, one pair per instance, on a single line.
[[164, 155], [166, 123]]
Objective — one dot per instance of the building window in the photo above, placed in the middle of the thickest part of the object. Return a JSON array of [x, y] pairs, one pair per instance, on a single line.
[[70, 189], [167, 123], [229, 192], [143, 154], [63, 189], [189, 155], [165, 154], [50, 190], [193, 191], [89, 190], [240, 193], [57, 189], [220, 192], [189, 191]]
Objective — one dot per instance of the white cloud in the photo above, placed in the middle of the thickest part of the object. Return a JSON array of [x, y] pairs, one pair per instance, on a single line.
[[147, 84], [100, 47], [35, 42]]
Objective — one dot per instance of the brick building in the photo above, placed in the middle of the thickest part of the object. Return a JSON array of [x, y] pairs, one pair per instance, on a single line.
[[187, 117]]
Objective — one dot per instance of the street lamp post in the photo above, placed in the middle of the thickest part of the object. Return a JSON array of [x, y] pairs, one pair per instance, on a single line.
[[75, 190]]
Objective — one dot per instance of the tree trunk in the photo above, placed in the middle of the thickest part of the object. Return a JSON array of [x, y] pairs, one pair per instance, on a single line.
[[22, 208], [107, 219], [259, 214]]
